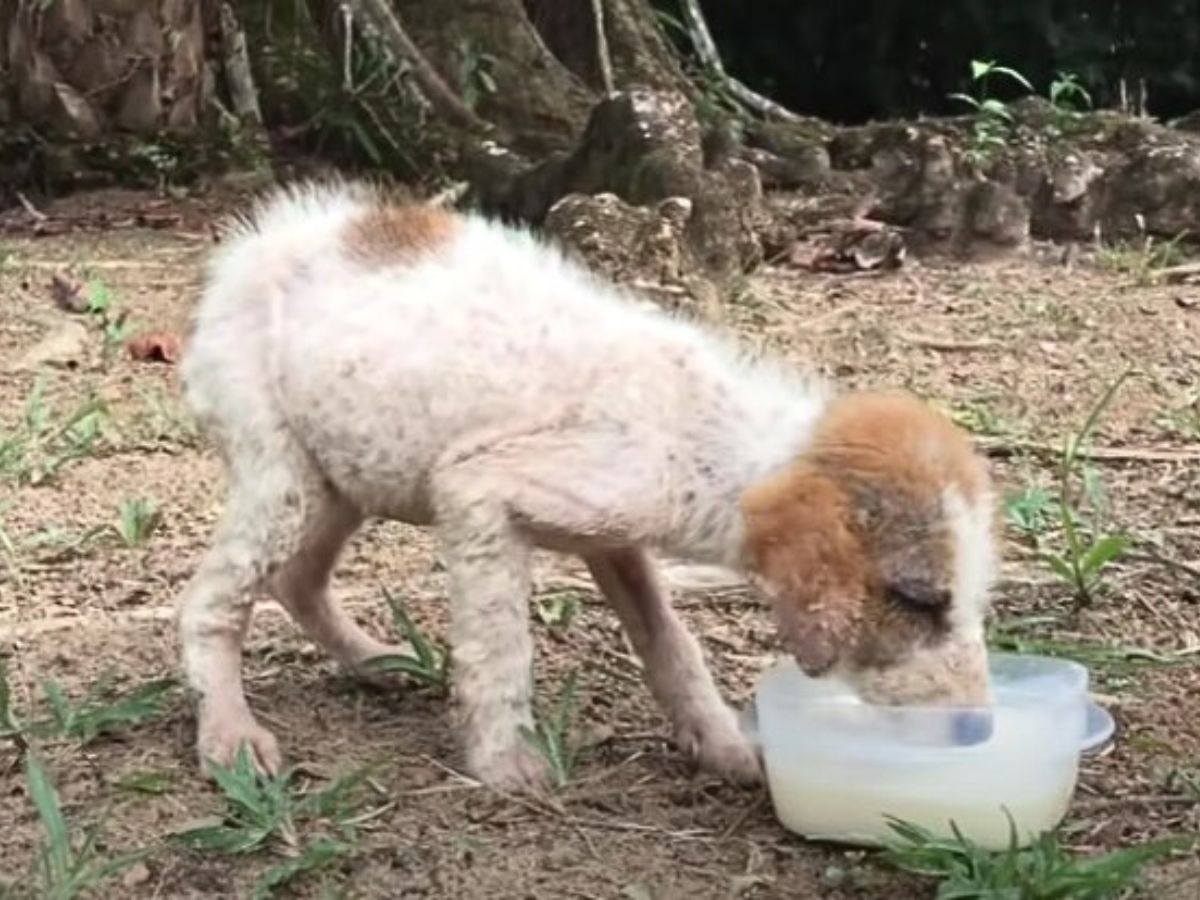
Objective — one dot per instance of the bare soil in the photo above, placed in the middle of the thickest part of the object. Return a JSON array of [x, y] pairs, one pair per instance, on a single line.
[[1018, 350]]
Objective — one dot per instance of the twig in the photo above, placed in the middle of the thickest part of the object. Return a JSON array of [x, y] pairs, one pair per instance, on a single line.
[[710, 58], [33, 211], [1176, 274], [381, 14], [1154, 555], [948, 345], [1005, 449], [745, 814], [1136, 800], [602, 55]]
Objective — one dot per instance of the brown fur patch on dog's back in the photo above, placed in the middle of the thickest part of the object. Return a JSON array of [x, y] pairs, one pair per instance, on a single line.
[[390, 234]]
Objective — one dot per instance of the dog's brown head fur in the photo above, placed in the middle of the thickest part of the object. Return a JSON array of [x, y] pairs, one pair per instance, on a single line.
[[876, 550]]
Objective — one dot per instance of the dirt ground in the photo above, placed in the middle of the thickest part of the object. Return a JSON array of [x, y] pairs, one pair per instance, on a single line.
[[1018, 350]]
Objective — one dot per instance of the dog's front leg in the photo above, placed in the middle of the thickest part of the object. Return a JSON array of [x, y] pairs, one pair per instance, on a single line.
[[489, 503], [488, 565]]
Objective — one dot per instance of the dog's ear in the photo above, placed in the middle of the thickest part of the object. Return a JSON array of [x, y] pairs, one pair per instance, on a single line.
[[802, 551]]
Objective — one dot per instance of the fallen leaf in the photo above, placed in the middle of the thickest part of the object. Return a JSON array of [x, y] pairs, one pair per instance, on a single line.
[[68, 294], [158, 346]]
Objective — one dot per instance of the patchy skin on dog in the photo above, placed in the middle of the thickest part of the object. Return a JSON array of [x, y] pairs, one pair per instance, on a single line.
[[352, 358]]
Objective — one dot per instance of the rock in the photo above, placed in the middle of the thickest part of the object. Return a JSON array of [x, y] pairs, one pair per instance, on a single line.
[[136, 875], [65, 346], [644, 147], [644, 248]]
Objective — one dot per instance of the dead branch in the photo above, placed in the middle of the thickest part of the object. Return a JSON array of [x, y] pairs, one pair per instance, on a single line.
[[1006, 449], [386, 21], [947, 345], [1177, 274], [710, 58]]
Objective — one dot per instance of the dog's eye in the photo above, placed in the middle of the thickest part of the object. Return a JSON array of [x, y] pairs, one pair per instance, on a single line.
[[918, 594]]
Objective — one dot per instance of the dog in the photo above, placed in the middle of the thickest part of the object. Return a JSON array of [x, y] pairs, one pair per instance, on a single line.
[[354, 358]]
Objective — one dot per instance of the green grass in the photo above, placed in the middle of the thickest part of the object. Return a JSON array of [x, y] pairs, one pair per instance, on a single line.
[[114, 323], [1087, 549], [101, 711], [557, 611], [429, 662], [65, 871], [265, 812], [1142, 258], [137, 519], [1032, 511], [552, 733], [1043, 871], [10, 727], [1102, 659], [1182, 421], [45, 441]]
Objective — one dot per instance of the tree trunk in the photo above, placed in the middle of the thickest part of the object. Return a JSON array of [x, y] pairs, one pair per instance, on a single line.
[[89, 68]]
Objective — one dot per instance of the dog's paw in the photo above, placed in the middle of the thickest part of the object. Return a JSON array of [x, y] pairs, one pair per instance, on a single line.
[[220, 741], [719, 746], [517, 769]]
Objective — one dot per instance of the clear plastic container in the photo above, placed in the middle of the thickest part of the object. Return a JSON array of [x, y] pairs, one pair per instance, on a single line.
[[837, 767]]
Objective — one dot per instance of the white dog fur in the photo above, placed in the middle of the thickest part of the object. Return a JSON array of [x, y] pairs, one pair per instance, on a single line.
[[354, 359]]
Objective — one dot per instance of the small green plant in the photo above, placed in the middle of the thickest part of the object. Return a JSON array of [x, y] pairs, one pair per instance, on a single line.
[[63, 871], [551, 735], [1069, 100], [163, 420], [1042, 871], [558, 610], [43, 442], [100, 711], [319, 854], [475, 73], [136, 521], [992, 118], [1141, 258], [151, 783], [264, 812], [1031, 511], [980, 418], [1183, 420], [1106, 659], [114, 323], [429, 662], [9, 726], [1088, 551], [52, 542]]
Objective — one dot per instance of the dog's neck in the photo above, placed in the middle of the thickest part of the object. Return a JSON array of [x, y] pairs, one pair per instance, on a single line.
[[745, 421]]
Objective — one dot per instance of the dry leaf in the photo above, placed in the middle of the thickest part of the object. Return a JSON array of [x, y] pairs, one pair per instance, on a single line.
[[157, 346]]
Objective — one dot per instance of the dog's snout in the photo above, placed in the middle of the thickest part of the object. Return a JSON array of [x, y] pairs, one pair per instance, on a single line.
[[971, 727]]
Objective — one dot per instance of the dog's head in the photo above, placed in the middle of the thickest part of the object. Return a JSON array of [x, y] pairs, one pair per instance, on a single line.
[[876, 550]]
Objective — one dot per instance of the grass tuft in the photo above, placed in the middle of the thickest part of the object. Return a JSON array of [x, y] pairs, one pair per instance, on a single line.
[[1042, 871]]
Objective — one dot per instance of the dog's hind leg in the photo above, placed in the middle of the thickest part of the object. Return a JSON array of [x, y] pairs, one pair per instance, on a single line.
[[301, 585]]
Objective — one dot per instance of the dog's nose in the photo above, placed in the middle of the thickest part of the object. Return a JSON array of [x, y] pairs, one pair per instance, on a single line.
[[972, 727]]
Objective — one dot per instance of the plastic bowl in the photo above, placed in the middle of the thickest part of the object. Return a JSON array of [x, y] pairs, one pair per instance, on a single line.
[[837, 768]]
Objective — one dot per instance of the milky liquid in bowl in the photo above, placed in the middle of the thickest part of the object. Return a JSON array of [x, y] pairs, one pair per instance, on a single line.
[[837, 768]]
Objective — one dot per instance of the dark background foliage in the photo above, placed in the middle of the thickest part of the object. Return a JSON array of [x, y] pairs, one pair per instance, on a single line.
[[852, 60]]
